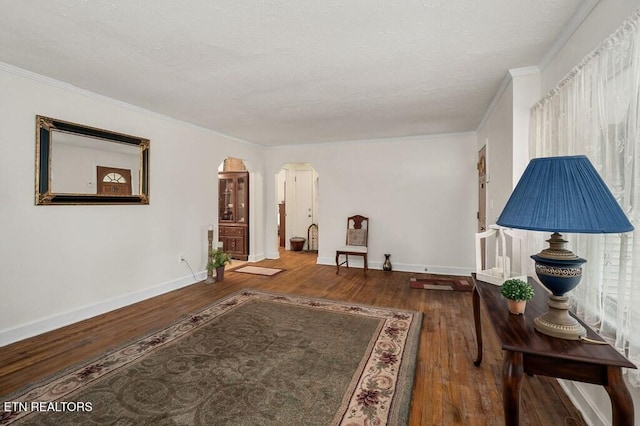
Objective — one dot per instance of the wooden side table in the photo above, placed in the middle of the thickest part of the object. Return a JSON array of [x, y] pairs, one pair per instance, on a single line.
[[528, 351]]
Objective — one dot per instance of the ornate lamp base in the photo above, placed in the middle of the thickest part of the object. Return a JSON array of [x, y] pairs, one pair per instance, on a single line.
[[557, 322], [559, 270]]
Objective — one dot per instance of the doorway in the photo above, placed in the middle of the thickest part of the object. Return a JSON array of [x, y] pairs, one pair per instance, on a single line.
[[297, 203], [482, 198]]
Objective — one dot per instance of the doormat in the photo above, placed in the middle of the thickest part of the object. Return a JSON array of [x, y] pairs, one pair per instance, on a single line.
[[442, 282], [254, 358], [257, 270]]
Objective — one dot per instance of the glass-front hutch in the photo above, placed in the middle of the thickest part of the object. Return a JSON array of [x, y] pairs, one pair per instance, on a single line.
[[233, 213]]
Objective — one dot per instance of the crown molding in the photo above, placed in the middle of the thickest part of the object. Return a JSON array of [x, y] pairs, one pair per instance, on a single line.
[[524, 71], [509, 76], [410, 138]]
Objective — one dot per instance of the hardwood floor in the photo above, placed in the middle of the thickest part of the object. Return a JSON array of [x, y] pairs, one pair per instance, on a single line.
[[448, 388]]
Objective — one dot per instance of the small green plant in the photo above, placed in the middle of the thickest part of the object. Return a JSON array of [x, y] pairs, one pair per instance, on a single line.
[[218, 258], [516, 289]]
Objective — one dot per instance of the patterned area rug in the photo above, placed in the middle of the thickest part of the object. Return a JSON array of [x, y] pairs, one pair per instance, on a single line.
[[257, 270], [442, 282], [253, 358]]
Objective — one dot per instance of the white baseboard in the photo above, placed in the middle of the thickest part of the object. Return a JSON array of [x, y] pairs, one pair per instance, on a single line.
[[273, 255], [256, 257], [356, 261], [579, 396], [56, 321]]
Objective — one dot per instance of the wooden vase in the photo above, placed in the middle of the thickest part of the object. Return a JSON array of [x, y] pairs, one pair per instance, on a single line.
[[516, 307], [219, 273]]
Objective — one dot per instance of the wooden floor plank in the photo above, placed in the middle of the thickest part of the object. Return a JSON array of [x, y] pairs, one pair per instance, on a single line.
[[448, 388]]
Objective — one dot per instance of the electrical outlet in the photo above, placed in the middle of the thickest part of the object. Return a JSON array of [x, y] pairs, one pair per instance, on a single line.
[[180, 258]]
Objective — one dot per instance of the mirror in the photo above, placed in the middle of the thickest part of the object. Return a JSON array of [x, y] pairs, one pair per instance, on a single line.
[[76, 164]]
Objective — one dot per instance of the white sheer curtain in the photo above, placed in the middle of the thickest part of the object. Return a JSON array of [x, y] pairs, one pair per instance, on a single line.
[[594, 111]]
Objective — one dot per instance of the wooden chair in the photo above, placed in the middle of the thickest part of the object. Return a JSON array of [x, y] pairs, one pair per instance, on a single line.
[[357, 240]]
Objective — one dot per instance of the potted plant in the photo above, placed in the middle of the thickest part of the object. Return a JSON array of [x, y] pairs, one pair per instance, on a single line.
[[218, 258], [517, 292]]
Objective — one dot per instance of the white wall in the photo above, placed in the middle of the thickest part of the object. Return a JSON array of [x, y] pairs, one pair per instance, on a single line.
[[419, 193], [61, 264], [497, 135], [605, 18], [505, 132], [526, 92]]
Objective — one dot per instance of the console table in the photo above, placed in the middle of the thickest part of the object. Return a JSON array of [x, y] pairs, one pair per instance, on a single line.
[[528, 351]]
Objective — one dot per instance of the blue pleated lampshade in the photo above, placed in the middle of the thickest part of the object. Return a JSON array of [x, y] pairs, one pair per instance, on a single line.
[[563, 194]]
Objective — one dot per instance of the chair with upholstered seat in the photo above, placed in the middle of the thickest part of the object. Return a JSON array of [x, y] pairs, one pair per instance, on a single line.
[[357, 240]]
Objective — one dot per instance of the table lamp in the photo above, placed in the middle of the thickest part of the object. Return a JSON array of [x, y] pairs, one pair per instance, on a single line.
[[562, 194]]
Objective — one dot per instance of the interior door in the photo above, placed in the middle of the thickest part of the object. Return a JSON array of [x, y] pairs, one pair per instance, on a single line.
[[304, 201], [113, 181], [482, 197]]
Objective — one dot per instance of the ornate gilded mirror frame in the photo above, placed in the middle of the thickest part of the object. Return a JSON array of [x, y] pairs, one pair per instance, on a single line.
[[69, 157]]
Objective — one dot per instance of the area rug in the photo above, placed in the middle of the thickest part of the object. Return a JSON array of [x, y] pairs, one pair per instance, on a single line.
[[253, 358], [257, 270], [442, 282]]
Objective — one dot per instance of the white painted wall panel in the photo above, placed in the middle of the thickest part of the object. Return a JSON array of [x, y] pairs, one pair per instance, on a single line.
[[420, 195], [61, 264]]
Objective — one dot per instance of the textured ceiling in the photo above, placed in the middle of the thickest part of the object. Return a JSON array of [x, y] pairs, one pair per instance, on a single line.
[[278, 72]]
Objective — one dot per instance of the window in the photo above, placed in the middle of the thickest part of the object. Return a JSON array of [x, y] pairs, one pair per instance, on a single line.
[[114, 178]]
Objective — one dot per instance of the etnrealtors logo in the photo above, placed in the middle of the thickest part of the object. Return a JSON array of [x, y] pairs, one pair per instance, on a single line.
[[44, 406]]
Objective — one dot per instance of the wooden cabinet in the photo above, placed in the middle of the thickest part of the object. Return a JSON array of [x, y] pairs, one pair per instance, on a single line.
[[234, 240], [233, 213]]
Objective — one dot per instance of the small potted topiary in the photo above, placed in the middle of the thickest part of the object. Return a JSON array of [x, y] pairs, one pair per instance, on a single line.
[[517, 292], [218, 258]]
